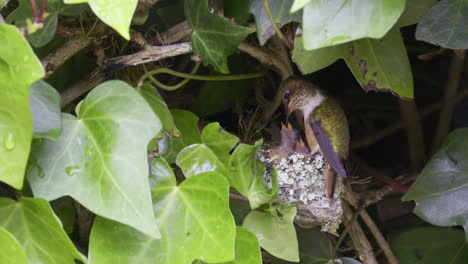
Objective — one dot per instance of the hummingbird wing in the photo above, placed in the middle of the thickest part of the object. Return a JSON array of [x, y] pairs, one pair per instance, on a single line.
[[327, 148]]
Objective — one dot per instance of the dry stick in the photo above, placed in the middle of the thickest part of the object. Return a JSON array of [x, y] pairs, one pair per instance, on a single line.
[[82, 86], [454, 78], [392, 259], [414, 133], [173, 34], [379, 174], [399, 125], [360, 241], [59, 56]]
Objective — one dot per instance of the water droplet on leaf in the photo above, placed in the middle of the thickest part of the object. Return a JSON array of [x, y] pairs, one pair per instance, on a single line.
[[9, 141], [72, 170]]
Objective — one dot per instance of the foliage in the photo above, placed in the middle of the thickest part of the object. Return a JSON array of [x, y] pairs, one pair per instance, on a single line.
[[155, 180]]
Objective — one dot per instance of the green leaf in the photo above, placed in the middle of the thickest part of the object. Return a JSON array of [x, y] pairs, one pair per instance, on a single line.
[[34, 225], [160, 109], [431, 245], [443, 183], [275, 234], [280, 9], [46, 34], [24, 12], [378, 65], [213, 37], [314, 247], [199, 158], [194, 218], [115, 13], [414, 11], [101, 157], [246, 175], [12, 252], [237, 9], [19, 68], [45, 108], [445, 25], [299, 4], [187, 123], [219, 141], [332, 22], [247, 248]]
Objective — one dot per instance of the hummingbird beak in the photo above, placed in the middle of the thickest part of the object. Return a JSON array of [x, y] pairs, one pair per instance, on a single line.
[[288, 113]]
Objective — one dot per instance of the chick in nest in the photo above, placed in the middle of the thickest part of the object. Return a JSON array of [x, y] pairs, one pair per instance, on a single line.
[[301, 179]]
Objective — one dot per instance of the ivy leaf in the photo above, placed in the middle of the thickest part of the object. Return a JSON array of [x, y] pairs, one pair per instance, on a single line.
[[431, 245], [280, 9], [272, 231], [199, 158], [160, 109], [299, 4], [34, 225], [246, 175], [100, 159], [443, 183], [445, 25], [115, 13], [194, 218], [213, 37], [332, 22], [237, 9], [414, 10], [24, 12], [46, 34], [378, 65], [187, 123], [219, 141], [19, 68], [247, 248], [45, 108], [12, 252]]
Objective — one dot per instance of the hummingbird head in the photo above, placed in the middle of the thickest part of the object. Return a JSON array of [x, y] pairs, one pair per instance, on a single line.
[[301, 95]]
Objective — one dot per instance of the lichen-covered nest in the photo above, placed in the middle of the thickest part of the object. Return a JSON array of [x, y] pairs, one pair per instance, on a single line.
[[301, 179]]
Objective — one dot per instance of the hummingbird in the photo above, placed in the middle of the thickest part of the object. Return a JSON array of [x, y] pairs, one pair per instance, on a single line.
[[325, 125]]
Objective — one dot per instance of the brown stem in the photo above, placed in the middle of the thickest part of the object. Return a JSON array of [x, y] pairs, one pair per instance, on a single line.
[[454, 78], [414, 133], [44, 8], [59, 56], [360, 241], [399, 125], [37, 15], [392, 259], [82, 86], [379, 174], [236, 196]]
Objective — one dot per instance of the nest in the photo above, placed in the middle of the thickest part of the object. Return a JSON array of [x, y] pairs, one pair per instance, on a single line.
[[301, 180]]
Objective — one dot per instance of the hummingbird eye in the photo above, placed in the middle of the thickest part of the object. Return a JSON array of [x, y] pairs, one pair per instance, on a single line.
[[287, 95]]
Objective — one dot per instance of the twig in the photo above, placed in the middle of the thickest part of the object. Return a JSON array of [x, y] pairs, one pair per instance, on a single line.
[[58, 57], [236, 196], [360, 241], [399, 125], [414, 133], [345, 232], [275, 26], [82, 86], [432, 54], [266, 57], [151, 54], [453, 82], [392, 259], [374, 196], [378, 174], [174, 34]]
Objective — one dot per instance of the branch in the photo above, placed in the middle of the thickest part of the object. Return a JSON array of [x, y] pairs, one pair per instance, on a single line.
[[399, 125], [414, 133], [454, 78], [379, 174], [82, 86], [360, 241], [59, 56], [150, 54]]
